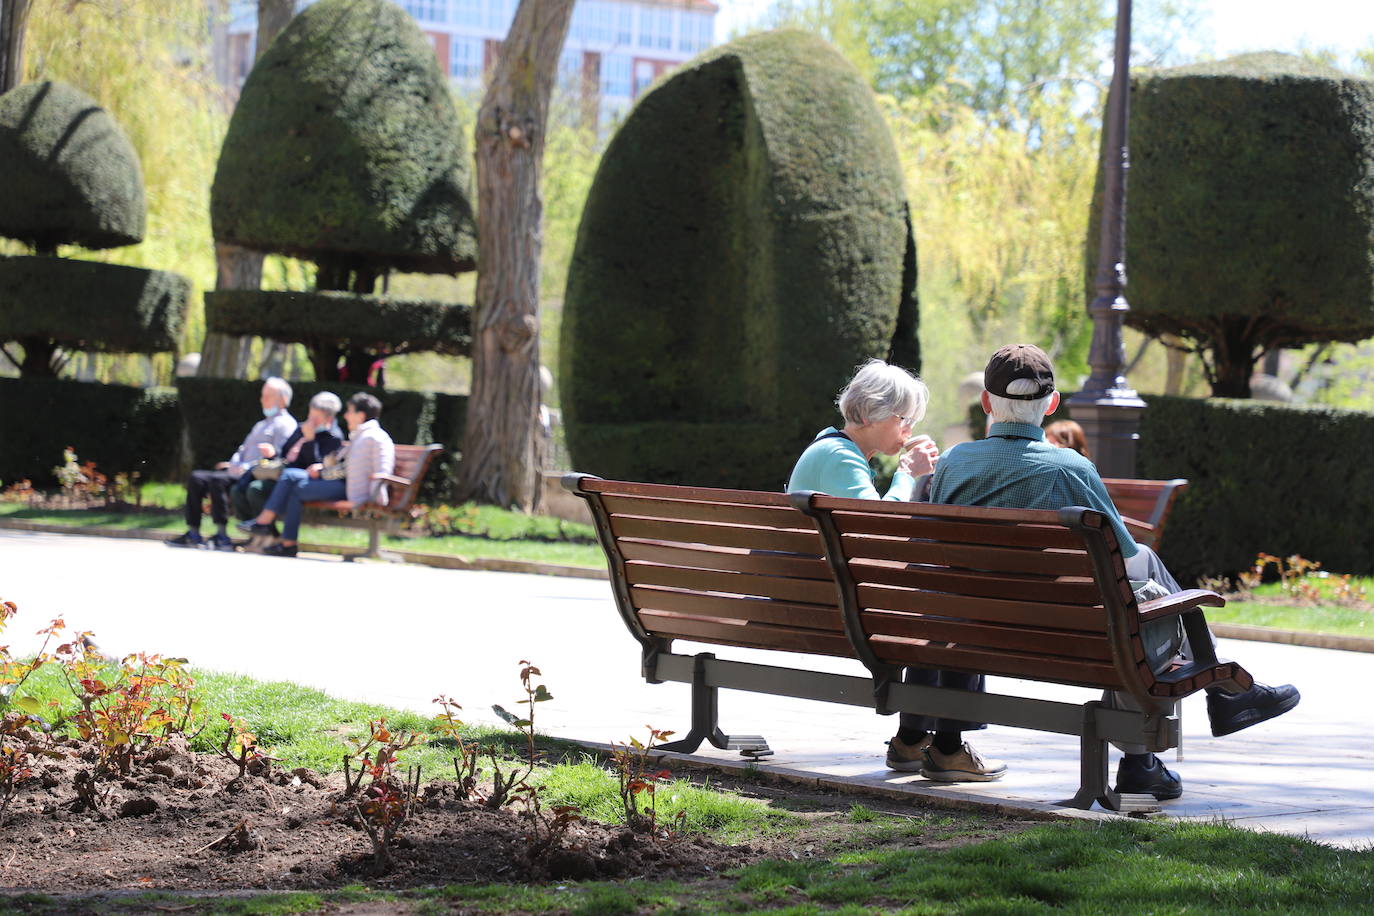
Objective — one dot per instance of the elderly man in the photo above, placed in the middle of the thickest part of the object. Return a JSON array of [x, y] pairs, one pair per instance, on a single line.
[[314, 440], [275, 427], [1015, 468]]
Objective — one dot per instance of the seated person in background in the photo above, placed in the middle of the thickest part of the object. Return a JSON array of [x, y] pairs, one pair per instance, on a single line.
[[1015, 468], [314, 440], [1067, 434], [273, 429], [881, 405], [369, 451]]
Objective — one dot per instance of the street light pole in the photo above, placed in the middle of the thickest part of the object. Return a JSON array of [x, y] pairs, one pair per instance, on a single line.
[[1107, 407]]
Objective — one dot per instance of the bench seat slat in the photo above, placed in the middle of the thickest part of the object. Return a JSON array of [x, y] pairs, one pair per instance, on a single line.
[[747, 635], [1065, 590], [990, 559], [734, 513], [1075, 618], [917, 526], [791, 541], [811, 591], [739, 608], [696, 494], [731, 558], [968, 633], [898, 650]]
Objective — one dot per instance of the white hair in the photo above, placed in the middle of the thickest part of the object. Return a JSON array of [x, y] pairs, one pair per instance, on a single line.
[[281, 387], [878, 391], [1010, 410], [327, 402]]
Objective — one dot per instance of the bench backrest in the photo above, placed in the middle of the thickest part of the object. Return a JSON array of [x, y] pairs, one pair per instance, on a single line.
[[412, 464], [1144, 505], [727, 567], [1020, 593]]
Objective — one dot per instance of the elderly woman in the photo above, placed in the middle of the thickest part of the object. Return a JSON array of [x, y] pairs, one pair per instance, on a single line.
[[881, 406], [313, 441]]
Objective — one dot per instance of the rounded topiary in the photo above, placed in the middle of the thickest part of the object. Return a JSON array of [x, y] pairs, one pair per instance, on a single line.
[[70, 174], [1250, 208], [345, 149], [744, 245]]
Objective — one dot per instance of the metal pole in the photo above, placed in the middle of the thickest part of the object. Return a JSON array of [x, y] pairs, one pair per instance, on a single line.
[[1107, 407]]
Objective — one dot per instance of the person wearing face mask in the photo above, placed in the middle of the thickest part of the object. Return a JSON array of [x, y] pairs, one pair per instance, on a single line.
[[313, 441], [275, 427]]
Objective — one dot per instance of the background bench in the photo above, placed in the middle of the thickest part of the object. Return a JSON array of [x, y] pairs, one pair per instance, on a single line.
[[403, 485], [1028, 594], [1144, 505]]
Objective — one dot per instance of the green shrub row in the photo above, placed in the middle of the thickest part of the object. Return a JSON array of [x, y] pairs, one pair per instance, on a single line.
[[120, 428], [367, 322]]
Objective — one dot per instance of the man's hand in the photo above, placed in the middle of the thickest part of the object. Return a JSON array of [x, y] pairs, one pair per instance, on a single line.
[[307, 432], [919, 457], [223, 466], [314, 470], [267, 449]]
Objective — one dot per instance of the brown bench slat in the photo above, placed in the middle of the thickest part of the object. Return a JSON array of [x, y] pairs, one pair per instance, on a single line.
[[733, 513], [810, 591], [989, 559], [798, 541], [732, 558], [694, 494], [939, 511], [1078, 618], [897, 650], [919, 526], [748, 635], [737, 608], [972, 633], [1075, 590]]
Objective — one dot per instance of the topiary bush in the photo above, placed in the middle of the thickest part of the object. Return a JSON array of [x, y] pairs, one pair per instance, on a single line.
[[745, 244], [1251, 208], [71, 176]]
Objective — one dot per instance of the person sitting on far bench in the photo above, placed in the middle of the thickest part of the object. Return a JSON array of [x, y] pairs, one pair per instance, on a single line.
[[273, 429], [1015, 468], [313, 441], [369, 451]]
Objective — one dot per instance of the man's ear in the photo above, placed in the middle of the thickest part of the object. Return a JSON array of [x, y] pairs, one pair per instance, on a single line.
[[1054, 403], [987, 402]]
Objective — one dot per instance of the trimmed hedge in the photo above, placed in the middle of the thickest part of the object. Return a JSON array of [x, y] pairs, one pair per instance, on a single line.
[[1251, 207], [89, 305], [345, 147], [71, 176], [325, 317], [119, 427], [745, 244], [219, 412]]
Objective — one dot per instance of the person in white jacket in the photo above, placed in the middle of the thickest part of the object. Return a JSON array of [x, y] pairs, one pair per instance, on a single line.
[[368, 452]]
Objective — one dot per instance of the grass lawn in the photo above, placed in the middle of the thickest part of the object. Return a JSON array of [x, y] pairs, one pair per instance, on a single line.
[[852, 861], [477, 531], [1274, 610]]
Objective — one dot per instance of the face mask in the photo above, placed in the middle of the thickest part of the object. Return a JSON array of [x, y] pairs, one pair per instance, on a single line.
[[270, 412], [322, 429]]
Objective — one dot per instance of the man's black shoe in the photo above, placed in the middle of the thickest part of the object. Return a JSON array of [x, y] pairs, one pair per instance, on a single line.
[[1230, 713], [1152, 778], [279, 550], [189, 539]]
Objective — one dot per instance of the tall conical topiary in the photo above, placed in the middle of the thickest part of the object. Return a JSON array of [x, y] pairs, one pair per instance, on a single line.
[[345, 149], [1250, 208], [744, 245], [71, 177]]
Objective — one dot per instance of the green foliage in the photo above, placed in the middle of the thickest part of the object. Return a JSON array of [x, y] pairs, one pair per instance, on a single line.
[[1251, 208], [783, 267], [88, 305], [316, 318], [345, 149], [122, 429], [71, 174]]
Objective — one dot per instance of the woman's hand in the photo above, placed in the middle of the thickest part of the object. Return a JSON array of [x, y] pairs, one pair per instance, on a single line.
[[919, 457], [314, 470]]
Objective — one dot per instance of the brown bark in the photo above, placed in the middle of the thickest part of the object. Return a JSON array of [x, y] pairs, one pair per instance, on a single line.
[[14, 15], [503, 451]]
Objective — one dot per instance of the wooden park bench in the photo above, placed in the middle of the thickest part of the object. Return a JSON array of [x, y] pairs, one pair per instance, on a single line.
[[1144, 505], [403, 485], [1032, 594]]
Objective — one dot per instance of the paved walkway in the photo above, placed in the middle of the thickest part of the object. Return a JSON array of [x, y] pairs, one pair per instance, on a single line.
[[401, 635]]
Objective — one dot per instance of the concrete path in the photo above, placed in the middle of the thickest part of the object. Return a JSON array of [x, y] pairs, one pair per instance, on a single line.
[[401, 635]]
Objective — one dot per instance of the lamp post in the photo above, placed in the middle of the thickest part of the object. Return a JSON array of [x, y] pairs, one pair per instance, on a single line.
[[1107, 407]]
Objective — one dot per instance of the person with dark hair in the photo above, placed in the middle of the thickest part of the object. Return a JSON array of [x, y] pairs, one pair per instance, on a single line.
[[1068, 434], [368, 453]]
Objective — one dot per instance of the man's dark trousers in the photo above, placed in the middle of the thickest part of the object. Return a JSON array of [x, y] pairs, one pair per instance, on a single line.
[[214, 483]]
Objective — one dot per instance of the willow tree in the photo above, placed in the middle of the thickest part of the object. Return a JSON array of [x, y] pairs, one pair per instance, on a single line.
[[502, 447]]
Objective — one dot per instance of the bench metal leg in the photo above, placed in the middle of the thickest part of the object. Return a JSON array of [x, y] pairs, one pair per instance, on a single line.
[[1092, 762], [374, 540], [705, 720]]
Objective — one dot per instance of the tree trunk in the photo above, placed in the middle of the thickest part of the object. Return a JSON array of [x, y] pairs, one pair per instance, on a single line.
[[1233, 359], [1175, 357], [14, 15], [503, 450], [224, 355]]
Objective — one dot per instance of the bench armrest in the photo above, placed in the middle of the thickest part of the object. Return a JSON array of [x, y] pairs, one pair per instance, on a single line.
[[392, 478], [1179, 602]]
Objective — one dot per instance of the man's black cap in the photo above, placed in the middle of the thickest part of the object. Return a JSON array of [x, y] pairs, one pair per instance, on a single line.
[[1019, 361]]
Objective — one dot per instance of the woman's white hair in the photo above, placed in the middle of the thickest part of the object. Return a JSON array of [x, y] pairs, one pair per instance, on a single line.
[[878, 391], [282, 387], [1010, 410], [327, 402]]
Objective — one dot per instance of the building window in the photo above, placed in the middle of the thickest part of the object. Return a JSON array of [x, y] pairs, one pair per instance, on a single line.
[[644, 76], [663, 29], [500, 14], [615, 75], [465, 58], [570, 70], [427, 10], [695, 31], [645, 36], [468, 13], [625, 24]]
